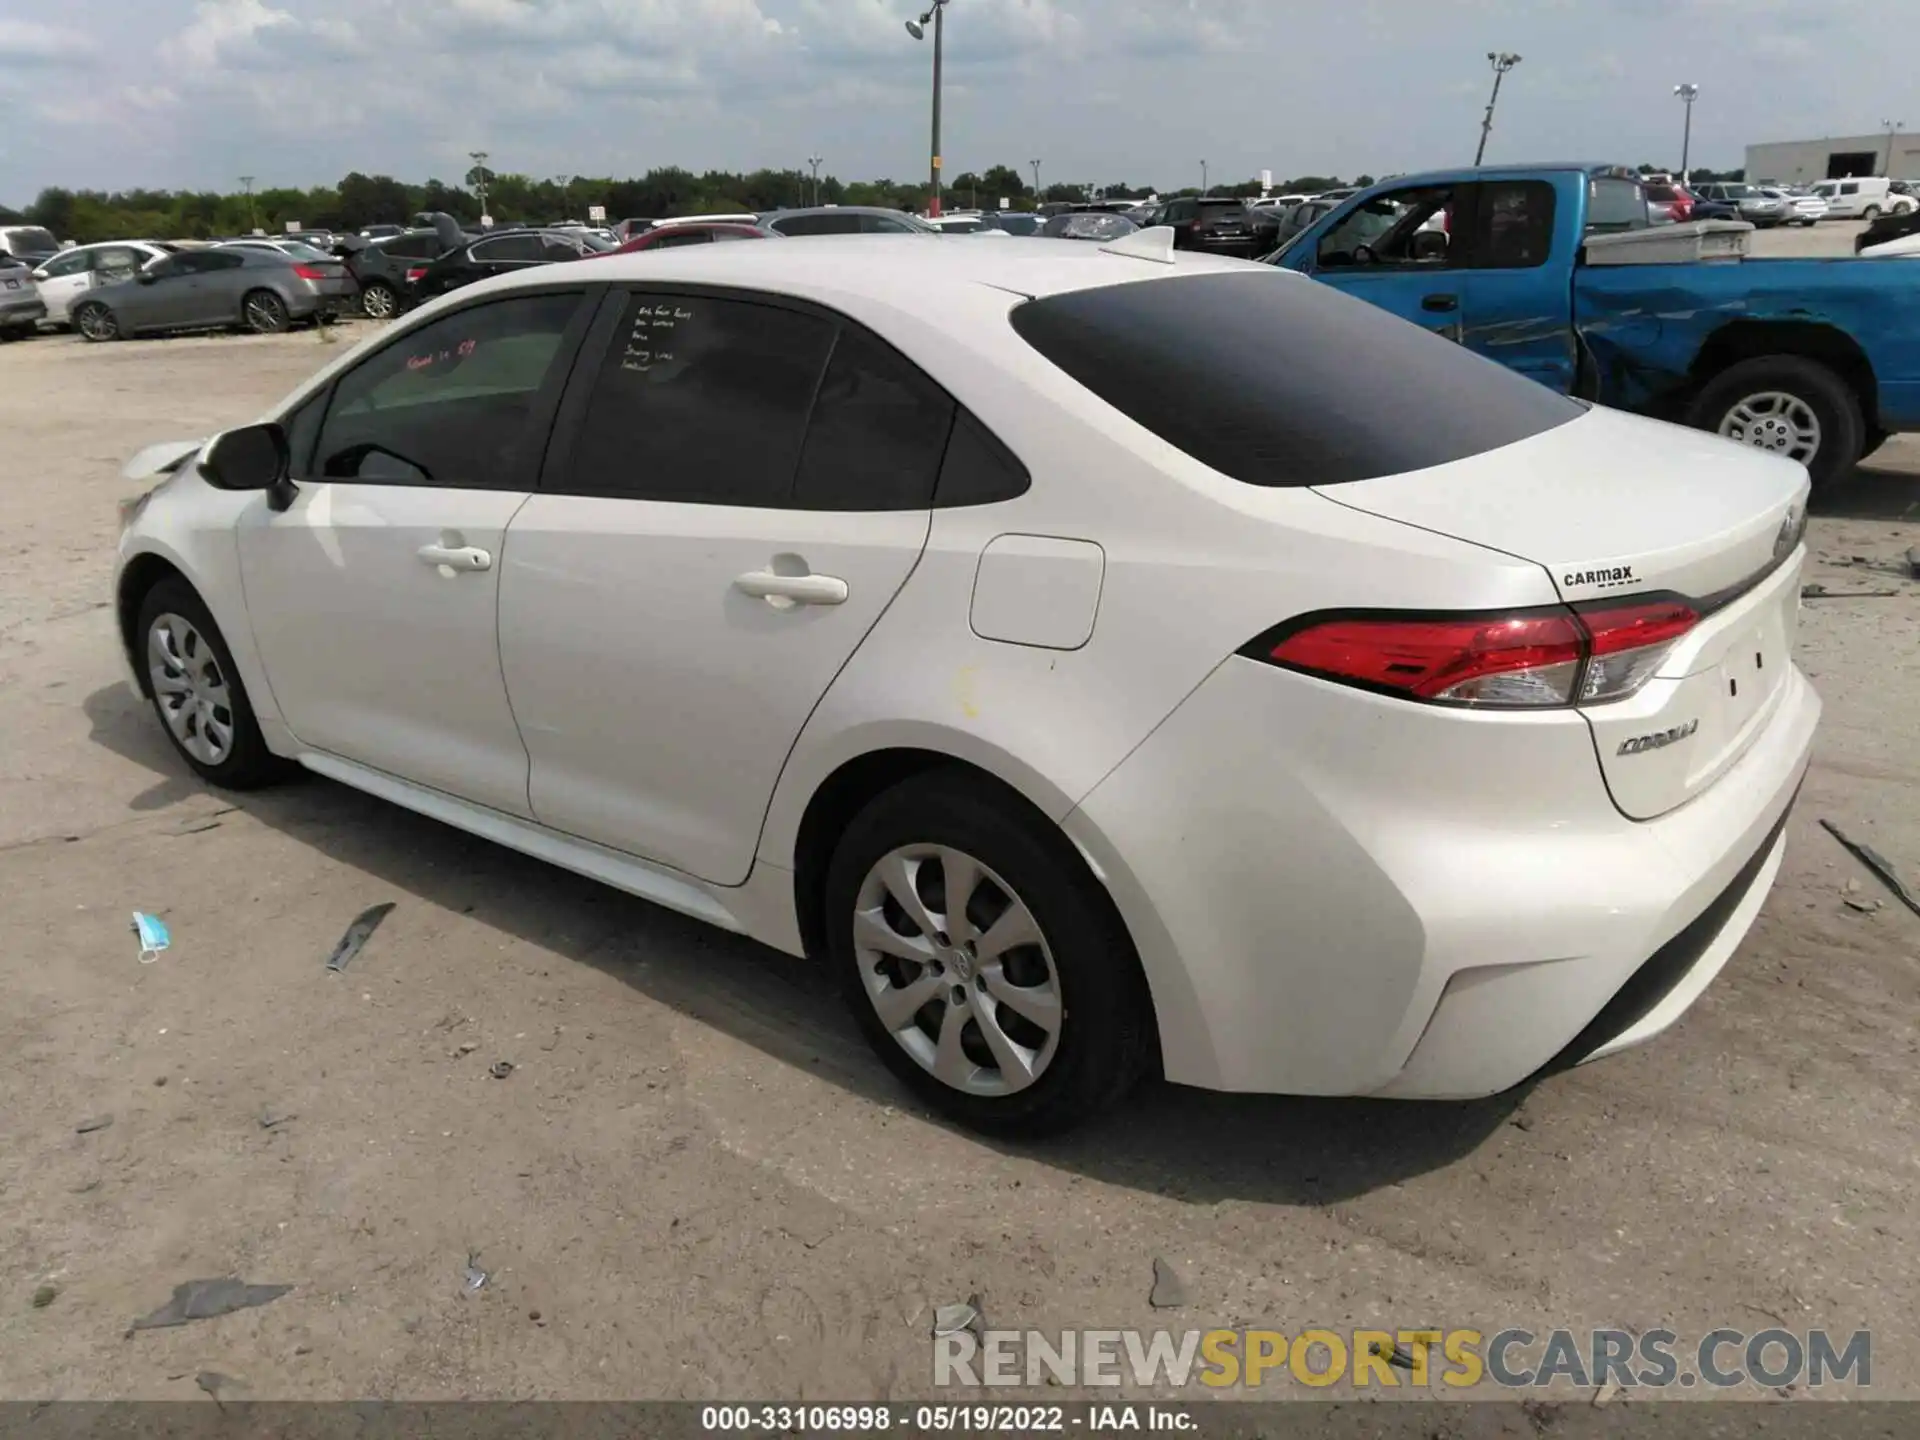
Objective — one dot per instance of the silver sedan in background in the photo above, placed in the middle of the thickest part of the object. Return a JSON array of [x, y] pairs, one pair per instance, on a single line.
[[223, 287]]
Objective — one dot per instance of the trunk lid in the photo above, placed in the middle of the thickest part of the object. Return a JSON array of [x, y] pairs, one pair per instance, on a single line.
[[1615, 507]]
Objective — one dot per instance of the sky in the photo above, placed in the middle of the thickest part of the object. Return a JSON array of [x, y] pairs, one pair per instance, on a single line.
[[192, 94]]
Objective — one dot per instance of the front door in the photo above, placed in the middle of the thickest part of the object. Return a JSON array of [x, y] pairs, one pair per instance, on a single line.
[[737, 490], [374, 597], [68, 278], [1397, 251]]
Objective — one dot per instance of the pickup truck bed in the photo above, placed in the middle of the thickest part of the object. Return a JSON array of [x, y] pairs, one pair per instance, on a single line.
[[1815, 359]]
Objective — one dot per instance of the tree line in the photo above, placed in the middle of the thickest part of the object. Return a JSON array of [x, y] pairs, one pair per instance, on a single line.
[[360, 200]]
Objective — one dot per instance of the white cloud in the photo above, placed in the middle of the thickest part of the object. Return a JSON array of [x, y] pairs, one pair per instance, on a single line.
[[26, 43]]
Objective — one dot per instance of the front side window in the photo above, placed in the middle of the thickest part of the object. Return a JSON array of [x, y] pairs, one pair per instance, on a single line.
[[1402, 227], [508, 249], [453, 402], [68, 264], [700, 400]]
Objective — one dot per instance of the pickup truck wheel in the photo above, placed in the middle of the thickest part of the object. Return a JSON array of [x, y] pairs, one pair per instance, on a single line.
[[1789, 406]]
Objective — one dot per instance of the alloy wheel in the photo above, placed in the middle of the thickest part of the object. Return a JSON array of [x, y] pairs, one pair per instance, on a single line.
[[96, 322], [957, 969], [264, 312], [377, 302], [190, 688], [1775, 421]]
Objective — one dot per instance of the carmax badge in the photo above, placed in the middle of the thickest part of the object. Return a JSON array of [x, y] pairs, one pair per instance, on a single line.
[[1659, 740]]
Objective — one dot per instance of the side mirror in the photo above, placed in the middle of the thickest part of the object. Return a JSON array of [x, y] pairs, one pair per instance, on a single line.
[[254, 457], [146, 277]]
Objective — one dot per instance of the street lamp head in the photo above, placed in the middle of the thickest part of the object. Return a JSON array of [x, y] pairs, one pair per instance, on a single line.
[[916, 29]]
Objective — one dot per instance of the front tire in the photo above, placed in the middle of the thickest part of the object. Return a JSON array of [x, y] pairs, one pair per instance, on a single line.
[[1018, 1008], [1870, 214], [263, 312], [197, 692], [96, 322], [1786, 405]]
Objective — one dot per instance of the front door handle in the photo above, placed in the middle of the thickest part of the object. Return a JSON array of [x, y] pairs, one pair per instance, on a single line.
[[1441, 304], [455, 557], [785, 591]]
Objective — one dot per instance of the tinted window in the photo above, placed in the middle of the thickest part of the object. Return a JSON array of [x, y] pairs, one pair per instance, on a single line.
[[1212, 364], [1514, 227], [977, 468], [878, 430], [1612, 205], [686, 235], [508, 248], [411, 247], [719, 235], [552, 247], [300, 250], [889, 225], [30, 239], [452, 403], [205, 262], [819, 225], [700, 400]]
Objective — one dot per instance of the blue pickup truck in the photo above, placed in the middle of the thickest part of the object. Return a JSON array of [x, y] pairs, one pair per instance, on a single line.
[[1812, 358]]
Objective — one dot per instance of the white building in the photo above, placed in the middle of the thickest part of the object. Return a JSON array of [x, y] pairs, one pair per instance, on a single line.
[[1801, 162]]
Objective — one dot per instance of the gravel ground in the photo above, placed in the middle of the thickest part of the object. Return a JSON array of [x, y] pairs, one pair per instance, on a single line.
[[695, 1182]]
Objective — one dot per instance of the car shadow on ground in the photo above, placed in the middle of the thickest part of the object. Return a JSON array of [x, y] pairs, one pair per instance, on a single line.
[[1177, 1142], [1873, 493]]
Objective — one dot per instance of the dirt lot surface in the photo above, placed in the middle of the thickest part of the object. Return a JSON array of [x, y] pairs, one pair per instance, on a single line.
[[696, 1182]]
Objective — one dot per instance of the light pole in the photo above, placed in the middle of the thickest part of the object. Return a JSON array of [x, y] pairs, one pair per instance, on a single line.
[[1502, 62], [565, 182], [1891, 127], [1036, 179], [254, 224], [814, 161], [479, 158], [936, 17], [1205, 188], [1688, 93]]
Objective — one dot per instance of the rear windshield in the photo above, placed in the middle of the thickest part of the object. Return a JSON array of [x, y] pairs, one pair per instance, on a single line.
[[28, 240], [1277, 380]]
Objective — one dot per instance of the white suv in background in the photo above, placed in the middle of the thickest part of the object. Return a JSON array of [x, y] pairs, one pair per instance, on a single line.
[[72, 273]]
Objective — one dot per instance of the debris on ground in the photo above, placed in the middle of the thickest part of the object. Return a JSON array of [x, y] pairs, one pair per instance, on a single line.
[[152, 931], [1817, 591], [358, 933], [206, 1299], [500, 1069], [952, 1319], [269, 1117], [45, 1296], [465, 1047], [1877, 863], [1392, 1353], [93, 1123], [1169, 1290], [476, 1278], [213, 1382]]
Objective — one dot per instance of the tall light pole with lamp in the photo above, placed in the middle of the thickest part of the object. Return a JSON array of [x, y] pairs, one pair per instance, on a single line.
[[1688, 93], [253, 223], [1892, 127], [814, 161], [936, 17], [1205, 187], [479, 158], [1036, 179], [1502, 62]]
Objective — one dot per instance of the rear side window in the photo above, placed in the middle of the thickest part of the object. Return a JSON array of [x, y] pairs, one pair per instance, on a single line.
[[1276, 380], [878, 430], [1612, 205], [702, 401], [819, 225]]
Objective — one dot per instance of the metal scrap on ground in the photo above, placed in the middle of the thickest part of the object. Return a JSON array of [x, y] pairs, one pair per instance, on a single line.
[[1877, 863], [358, 933], [205, 1299]]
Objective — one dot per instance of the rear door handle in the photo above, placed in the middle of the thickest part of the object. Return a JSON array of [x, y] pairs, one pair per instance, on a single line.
[[1441, 304], [455, 557], [785, 591]]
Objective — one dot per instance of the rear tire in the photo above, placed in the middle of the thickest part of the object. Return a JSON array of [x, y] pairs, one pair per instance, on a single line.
[[96, 322], [379, 301], [1870, 214], [263, 312], [1072, 999], [197, 692], [1789, 405]]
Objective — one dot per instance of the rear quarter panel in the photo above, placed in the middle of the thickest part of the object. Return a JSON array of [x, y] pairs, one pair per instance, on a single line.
[[1645, 326]]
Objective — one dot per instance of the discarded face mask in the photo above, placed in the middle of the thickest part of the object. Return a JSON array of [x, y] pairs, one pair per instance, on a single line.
[[153, 936]]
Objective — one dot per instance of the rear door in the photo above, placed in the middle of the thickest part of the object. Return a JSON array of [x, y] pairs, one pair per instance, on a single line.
[[738, 488], [1382, 252]]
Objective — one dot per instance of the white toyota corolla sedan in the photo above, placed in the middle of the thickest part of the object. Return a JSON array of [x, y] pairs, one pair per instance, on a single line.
[[1108, 659]]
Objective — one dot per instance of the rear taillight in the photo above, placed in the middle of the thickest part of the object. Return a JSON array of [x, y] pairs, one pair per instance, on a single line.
[[1524, 659], [309, 272], [414, 272]]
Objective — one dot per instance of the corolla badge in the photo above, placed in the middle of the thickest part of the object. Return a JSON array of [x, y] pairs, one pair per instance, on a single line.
[[1792, 527], [1659, 740]]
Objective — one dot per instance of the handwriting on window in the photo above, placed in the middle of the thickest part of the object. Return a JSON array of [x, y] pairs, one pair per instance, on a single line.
[[427, 359], [650, 338]]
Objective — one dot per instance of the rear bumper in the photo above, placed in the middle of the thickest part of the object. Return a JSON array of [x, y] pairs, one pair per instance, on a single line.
[[25, 309], [1334, 893]]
